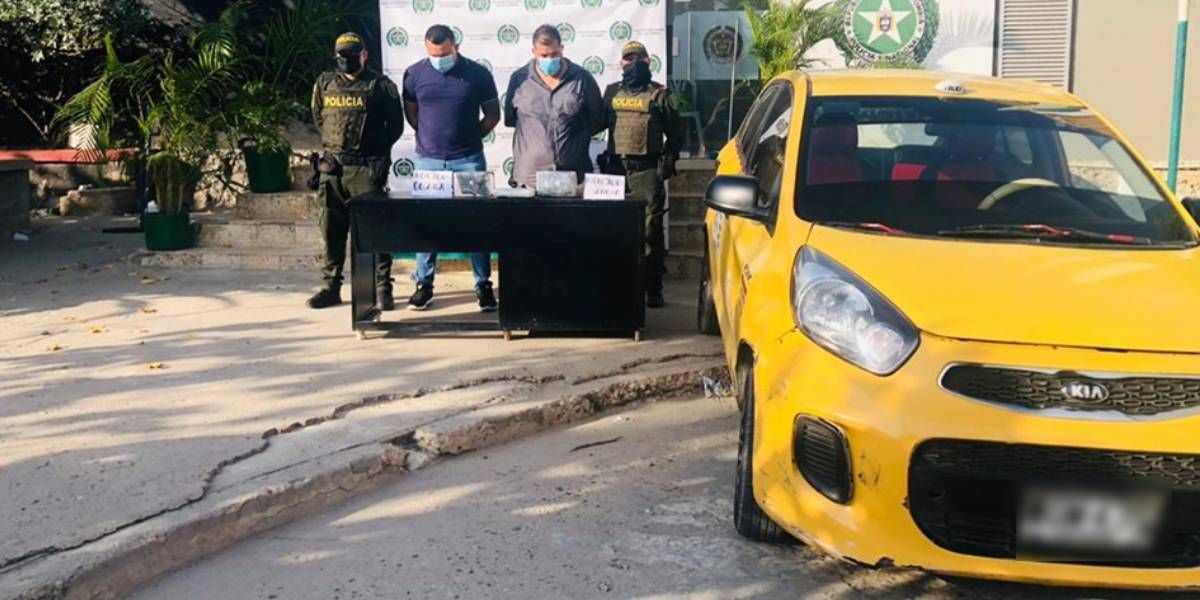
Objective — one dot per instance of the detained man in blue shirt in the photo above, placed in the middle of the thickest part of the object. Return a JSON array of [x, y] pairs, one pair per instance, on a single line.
[[444, 98]]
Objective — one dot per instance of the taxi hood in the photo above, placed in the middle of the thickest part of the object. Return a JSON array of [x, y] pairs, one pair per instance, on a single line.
[[1099, 297]]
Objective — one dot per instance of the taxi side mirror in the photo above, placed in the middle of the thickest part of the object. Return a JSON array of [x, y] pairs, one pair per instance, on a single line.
[[1192, 204], [736, 196]]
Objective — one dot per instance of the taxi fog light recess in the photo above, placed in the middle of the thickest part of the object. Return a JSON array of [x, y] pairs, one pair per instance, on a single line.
[[842, 314]]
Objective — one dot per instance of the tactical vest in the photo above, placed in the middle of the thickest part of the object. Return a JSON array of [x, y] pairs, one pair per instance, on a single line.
[[344, 106], [638, 130]]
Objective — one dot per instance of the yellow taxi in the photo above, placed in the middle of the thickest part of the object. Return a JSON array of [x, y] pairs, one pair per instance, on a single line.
[[961, 317]]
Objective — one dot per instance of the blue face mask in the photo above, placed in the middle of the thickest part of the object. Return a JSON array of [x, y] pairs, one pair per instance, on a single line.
[[549, 66], [442, 63]]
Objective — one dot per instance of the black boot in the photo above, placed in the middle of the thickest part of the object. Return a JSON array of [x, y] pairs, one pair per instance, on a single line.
[[330, 295], [384, 299]]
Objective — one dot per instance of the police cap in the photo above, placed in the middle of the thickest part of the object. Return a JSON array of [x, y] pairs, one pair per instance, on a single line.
[[349, 41], [634, 48]]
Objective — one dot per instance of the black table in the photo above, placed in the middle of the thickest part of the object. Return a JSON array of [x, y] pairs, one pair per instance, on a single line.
[[566, 265]]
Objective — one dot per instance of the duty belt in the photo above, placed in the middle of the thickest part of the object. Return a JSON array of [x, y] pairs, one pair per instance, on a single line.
[[639, 163], [357, 160]]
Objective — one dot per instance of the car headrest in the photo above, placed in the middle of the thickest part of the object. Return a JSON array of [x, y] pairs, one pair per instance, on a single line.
[[835, 133]]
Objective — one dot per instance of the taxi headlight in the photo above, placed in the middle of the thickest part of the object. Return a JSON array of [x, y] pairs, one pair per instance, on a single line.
[[842, 314]]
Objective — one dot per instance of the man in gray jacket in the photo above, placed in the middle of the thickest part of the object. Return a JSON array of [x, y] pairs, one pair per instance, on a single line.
[[555, 107]]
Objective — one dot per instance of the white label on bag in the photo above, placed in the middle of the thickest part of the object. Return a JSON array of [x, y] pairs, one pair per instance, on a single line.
[[603, 187], [433, 184]]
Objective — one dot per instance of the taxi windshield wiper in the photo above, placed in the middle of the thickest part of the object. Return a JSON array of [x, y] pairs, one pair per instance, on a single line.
[[865, 226], [1041, 231]]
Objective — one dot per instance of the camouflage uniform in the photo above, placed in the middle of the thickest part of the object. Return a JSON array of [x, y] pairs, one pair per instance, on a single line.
[[359, 120], [638, 122]]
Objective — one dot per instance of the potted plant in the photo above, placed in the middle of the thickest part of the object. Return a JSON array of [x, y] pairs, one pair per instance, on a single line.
[[171, 106], [284, 55], [261, 113]]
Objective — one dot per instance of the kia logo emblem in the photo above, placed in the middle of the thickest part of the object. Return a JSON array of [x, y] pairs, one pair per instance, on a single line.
[[1085, 391]]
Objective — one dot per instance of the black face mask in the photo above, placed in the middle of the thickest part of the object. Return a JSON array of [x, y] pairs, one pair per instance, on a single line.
[[635, 76], [349, 64]]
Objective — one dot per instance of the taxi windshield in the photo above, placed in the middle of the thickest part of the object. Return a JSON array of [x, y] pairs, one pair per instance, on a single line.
[[978, 169]]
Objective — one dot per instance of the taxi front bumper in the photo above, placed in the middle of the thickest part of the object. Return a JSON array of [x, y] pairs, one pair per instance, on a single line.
[[907, 437]]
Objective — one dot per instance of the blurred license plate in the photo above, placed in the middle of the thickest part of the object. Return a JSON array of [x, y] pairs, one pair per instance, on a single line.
[[1082, 522]]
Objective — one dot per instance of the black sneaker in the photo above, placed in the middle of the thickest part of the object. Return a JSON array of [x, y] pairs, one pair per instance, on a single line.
[[422, 298], [384, 298], [655, 300], [487, 299], [326, 297]]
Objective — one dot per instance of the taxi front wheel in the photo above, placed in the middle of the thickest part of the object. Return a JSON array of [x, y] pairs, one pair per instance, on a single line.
[[748, 517]]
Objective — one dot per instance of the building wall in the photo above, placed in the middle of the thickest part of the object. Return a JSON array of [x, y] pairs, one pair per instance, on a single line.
[[1124, 66]]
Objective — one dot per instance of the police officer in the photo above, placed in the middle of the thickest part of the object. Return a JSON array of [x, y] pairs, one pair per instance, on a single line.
[[360, 115], [644, 137]]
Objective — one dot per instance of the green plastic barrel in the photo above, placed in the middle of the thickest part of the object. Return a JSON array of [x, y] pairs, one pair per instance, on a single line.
[[167, 232]]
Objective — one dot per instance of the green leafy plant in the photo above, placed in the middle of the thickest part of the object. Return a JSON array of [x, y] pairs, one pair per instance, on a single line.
[[241, 79], [786, 31]]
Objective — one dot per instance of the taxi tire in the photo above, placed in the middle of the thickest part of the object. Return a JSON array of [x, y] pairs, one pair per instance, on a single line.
[[706, 309], [748, 517]]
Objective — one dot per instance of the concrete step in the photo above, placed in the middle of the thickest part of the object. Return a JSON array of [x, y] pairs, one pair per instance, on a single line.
[[684, 264], [686, 235], [240, 233], [281, 206], [263, 258]]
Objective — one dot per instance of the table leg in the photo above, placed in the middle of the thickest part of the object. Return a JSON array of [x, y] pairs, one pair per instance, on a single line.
[[362, 288]]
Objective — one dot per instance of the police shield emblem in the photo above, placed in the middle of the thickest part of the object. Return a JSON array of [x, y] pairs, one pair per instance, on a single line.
[[508, 35], [620, 31], [593, 65], [567, 32], [397, 37], [403, 168]]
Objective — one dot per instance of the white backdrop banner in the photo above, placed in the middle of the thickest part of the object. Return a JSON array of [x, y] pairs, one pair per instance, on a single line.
[[498, 35]]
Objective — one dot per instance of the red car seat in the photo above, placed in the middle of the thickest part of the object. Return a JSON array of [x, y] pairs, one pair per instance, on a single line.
[[833, 151]]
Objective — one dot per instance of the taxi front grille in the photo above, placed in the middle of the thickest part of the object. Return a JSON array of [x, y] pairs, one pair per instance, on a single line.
[[1136, 396], [964, 495]]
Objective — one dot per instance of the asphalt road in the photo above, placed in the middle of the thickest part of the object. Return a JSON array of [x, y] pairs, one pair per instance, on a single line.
[[645, 515]]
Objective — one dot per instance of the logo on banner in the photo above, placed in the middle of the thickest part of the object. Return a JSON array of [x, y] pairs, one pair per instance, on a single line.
[[567, 32], [490, 138], [722, 45], [458, 35], [900, 30], [397, 37], [655, 63], [479, 5], [508, 167], [403, 168], [535, 5], [592, 3], [620, 31], [593, 65], [485, 63], [508, 35], [422, 7], [648, 2]]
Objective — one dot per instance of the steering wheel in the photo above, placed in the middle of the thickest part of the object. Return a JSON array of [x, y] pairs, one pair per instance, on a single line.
[[1005, 191]]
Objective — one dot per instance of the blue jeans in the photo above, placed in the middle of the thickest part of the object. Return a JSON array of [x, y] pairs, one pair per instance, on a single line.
[[481, 263]]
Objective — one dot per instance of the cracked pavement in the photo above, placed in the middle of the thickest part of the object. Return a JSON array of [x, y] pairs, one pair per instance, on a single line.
[[132, 392], [646, 514]]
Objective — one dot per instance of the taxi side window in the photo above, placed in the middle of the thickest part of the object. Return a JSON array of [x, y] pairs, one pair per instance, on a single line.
[[766, 160], [748, 134]]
